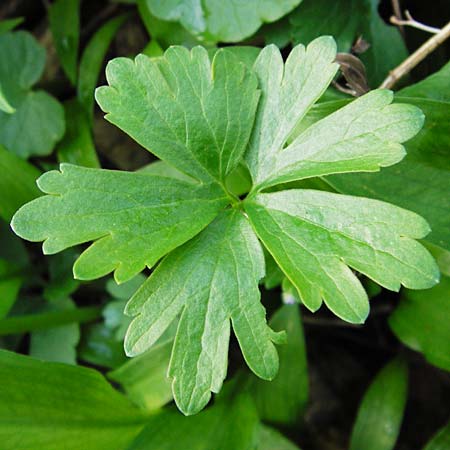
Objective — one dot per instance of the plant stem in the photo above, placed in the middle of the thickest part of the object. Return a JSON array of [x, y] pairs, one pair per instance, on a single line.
[[409, 63], [411, 22], [34, 322]]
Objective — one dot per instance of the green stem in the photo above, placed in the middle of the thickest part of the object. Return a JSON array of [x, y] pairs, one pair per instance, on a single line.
[[34, 322]]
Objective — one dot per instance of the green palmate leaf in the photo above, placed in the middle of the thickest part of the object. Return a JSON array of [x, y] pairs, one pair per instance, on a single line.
[[421, 322], [380, 413], [427, 159], [362, 136], [64, 407], [314, 236], [211, 19], [210, 280], [231, 423], [283, 399], [441, 441], [135, 225], [195, 115], [64, 18], [38, 121], [287, 93]]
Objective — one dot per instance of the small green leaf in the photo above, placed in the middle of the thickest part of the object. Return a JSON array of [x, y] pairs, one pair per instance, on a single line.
[[314, 236], [194, 115], [59, 343], [17, 183], [229, 424], [9, 24], [92, 59], [64, 18], [210, 280], [282, 400], [131, 225], [144, 378], [38, 121], [380, 413], [421, 322], [65, 407], [288, 92], [441, 441], [211, 21]]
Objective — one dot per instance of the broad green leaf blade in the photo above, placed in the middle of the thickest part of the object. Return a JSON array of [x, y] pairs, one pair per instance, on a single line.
[[210, 280], [271, 439], [59, 343], [221, 20], [17, 183], [92, 59], [421, 321], [193, 114], [315, 236], [362, 136], [134, 218], [229, 424], [427, 159], [441, 441], [64, 18], [38, 121], [314, 18], [380, 413], [144, 378], [287, 93], [64, 407], [77, 145], [282, 400]]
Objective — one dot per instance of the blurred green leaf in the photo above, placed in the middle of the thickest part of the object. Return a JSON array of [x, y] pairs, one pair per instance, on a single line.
[[270, 439], [380, 413], [282, 400], [9, 24], [53, 406], [421, 321], [59, 343], [64, 18], [229, 424], [17, 183], [77, 145], [92, 60], [145, 379], [441, 440], [38, 121], [212, 21]]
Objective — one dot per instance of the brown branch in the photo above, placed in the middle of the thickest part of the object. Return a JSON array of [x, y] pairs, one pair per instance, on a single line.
[[419, 55], [411, 22]]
